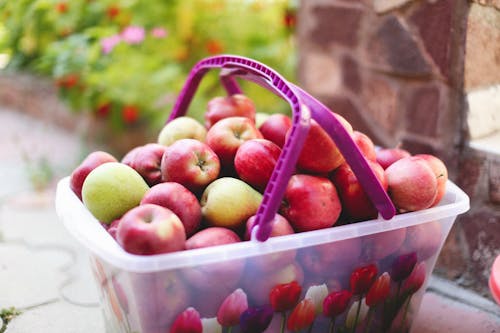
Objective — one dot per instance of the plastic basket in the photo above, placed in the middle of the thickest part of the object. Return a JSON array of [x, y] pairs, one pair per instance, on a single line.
[[398, 252]]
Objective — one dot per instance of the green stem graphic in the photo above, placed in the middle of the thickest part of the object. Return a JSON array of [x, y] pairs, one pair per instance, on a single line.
[[310, 329], [405, 313], [283, 322], [332, 325], [369, 318], [229, 329], [358, 310]]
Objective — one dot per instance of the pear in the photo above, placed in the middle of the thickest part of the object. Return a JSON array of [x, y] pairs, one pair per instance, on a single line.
[[229, 202], [112, 189]]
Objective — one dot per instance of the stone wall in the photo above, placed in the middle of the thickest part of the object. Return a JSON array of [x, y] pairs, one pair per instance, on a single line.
[[397, 70]]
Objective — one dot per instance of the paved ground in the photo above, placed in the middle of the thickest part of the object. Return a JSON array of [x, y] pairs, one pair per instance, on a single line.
[[44, 273]]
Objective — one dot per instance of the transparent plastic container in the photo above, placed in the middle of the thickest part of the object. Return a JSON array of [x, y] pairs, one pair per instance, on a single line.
[[372, 273]]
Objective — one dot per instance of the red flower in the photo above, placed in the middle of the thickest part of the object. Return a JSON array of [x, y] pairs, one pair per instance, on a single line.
[[336, 303], [290, 18], [214, 46], [103, 110], [130, 114], [302, 315], [379, 290], [231, 309], [416, 279], [187, 322], [61, 7], [362, 279], [112, 11], [283, 297], [68, 81]]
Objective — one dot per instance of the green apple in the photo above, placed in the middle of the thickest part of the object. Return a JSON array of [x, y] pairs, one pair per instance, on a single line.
[[182, 128], [229, 202], [112, 189]]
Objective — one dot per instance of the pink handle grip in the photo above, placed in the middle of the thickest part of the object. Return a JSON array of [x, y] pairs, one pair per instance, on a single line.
[[301, 103]]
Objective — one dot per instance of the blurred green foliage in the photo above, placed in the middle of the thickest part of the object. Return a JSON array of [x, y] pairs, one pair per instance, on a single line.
[[126, 60]]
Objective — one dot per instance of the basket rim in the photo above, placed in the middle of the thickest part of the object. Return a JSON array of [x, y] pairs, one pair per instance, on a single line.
[[80, 223]]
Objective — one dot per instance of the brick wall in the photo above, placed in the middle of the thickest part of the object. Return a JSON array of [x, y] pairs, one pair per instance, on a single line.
[[397, 70]]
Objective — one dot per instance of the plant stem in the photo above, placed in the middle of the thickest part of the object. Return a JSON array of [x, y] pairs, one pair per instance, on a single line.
[[310, 329], [283, 322], [358, 310], [407, 306], [369, 318], [332, 325]]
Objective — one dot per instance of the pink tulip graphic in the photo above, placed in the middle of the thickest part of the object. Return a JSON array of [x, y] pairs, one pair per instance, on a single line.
[[188, 321], [231, 309]]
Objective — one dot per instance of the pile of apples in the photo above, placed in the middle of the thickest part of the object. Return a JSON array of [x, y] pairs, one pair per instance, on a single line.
[[200, 184]]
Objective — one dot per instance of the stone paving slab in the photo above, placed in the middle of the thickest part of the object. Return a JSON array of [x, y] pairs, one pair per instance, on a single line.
[[58, 317]]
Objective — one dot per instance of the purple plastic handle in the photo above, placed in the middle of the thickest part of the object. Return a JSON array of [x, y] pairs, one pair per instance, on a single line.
[[303, 105]]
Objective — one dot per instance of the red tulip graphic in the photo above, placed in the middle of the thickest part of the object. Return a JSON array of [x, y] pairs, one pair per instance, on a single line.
[[335, 304], [302, 316], [284, 297], [379, 290], [362, 279]]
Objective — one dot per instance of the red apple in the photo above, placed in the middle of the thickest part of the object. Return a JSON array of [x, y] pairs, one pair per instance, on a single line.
[[355, 202], [237, 105], [113, 227], [275, 127], [319, 153], [212, 236], [380, 245], [159, 296], [387, 156], [275, 260], [179, 200], [365, 145], [228, 134], [441, 173], [255, 161], [146, 161], [217, 279], [81, 172], [425, 239], [412, 184], [327, 260], [280, 227], [191, 163], [151, 229], [310, 203]]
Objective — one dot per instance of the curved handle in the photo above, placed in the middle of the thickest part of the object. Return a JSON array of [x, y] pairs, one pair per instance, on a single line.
[[303, 105]]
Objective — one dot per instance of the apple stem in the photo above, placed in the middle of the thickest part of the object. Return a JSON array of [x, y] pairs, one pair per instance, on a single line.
[[332, 325], [358, 310], [283, 322]]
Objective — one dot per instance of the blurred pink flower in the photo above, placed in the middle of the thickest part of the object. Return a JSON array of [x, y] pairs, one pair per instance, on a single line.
[[108, 43], [133, 34], [158, 32]]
